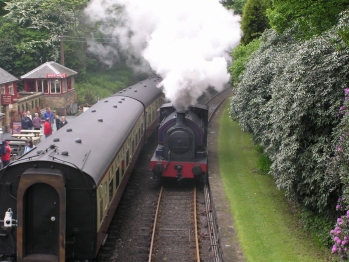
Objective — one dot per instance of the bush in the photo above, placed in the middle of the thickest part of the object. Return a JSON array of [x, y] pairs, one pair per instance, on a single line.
[[288, 97]]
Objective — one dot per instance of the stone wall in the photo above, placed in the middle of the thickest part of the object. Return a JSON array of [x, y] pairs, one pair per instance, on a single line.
[[61, 104], [27, 102]]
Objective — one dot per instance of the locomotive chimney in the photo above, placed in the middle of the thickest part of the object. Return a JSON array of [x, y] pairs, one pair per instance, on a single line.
[[180, 118]]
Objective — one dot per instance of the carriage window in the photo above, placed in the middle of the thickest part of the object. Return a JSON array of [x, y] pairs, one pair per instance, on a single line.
[[117, 178], [127, 158], [123, 167], [100, 204], [133, 147], [111, 190]]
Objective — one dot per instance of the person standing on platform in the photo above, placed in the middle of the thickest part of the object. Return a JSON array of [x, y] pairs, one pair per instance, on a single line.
[[36, 122], [47, 128], [63, 121], [29, 115], [48, 114], [58, 122], [5, 153], [29, 146], [26, 122]]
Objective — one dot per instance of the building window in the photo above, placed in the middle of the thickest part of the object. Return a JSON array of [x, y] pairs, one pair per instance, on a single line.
[[2, 90], [43, 86], [72, 84], [10, 89], [55, 86], [64, 83]]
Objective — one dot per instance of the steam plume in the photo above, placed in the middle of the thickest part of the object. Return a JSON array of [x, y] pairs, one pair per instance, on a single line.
[[186, 42]]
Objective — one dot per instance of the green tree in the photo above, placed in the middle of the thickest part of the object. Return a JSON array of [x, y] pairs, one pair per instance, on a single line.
[[254, 20], [2, 10], [240, 56], [14, 57], [313, 17], [236, 5], [41, 30]]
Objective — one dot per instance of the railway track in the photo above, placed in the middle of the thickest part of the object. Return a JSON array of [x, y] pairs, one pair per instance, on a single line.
[[175, 227], [178, 237]]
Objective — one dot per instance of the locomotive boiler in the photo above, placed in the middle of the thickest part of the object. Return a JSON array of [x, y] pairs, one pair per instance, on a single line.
[[182, 143], [58, 199]]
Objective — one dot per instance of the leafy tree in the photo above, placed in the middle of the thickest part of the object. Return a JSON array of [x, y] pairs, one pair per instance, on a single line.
[[2, 10], [41, 29], [240, 55], [254, 20], [13, 56], [313, 17], [236, 5]]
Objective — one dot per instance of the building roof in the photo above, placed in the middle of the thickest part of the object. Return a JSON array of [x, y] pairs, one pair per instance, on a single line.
[[6, 77], [49, 68]]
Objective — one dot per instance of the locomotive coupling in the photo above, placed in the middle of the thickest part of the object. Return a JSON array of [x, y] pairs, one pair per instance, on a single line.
[[8, 220], [179, 172]]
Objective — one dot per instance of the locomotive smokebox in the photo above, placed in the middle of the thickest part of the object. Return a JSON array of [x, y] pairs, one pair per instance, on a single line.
[[180, 118]]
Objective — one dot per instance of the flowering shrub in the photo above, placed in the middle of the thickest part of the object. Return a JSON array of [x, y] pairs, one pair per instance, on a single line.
[[340, 234]]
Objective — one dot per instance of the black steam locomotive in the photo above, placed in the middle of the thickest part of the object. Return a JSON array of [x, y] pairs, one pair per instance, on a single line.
[[182, 143], [58, 199]]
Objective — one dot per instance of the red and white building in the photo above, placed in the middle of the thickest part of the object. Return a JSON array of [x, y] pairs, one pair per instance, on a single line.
[[57, 83]]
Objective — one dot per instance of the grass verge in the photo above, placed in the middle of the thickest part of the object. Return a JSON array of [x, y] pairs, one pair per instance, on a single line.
[[266, 226]]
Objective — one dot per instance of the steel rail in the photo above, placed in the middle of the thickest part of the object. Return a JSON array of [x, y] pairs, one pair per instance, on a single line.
[[154, 225], [196, 229]]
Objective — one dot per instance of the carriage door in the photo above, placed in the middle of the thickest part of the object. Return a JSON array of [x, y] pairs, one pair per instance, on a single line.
[[41, 216]]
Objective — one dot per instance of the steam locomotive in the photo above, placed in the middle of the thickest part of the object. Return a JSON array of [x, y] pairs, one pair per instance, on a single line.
[[58, 200], [182, 143]]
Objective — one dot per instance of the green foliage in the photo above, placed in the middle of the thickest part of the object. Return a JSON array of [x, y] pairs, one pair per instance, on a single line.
[[240, 55], [343, 27], [15, 57], [288, 97], [104, 84], [236, 5], [40, 28], [2, 10], [313, 17], [254, 20], [317, 225], [264, 163]]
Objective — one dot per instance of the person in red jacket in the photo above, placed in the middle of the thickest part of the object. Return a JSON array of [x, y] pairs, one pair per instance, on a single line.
[[47, 128], [5, 153]]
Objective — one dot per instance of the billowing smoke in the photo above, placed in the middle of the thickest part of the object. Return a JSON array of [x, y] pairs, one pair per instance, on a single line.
[[186, 42]]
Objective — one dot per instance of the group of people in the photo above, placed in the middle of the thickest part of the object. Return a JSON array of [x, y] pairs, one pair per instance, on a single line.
[[28, 123], [6, 151]]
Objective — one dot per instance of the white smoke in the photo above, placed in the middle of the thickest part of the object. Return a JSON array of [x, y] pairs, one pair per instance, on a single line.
[[186, 42]]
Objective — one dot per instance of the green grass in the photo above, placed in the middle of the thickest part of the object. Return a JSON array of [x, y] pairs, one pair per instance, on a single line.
[[266, 226]]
